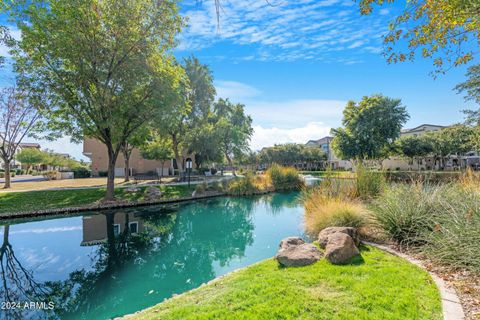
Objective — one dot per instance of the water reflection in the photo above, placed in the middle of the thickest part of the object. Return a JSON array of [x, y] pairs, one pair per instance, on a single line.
[[141, 257]]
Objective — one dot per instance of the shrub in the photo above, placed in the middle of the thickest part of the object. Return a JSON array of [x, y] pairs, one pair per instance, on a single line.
[[284, 178], [455, 237], [201, 188], [243, 186], [102, 173], [404, 212], [322, 211], [369, 184], [79, 173], [50, 175]]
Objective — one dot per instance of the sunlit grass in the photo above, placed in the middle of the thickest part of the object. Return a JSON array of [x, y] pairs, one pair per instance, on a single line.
[[379, 286]]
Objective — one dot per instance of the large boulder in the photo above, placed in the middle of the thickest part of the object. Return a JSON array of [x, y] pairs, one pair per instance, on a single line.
[[152, 193], [327, 232], [291, 241], [340, 248], [298, 255]]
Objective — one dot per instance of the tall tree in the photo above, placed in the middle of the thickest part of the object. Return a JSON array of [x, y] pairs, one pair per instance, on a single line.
[[234, 129], [370, 128], [18, 115], [448, 31], [101, 62]]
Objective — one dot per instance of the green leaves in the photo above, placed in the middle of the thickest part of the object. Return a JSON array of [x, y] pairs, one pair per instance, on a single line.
[[440, 29], [370, 127]]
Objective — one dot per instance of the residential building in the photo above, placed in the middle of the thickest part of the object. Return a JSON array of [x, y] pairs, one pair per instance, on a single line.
[[426, 163], [333, 161], [97, 152], [420, 130], [15, 164], [95, 227]]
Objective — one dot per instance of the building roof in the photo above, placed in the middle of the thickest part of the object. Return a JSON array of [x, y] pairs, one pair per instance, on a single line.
[[422, 125], [321, 140], [29, 145]]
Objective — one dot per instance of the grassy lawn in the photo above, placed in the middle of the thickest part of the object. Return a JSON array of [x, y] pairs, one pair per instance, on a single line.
[[67, 183], [51, 199], [380, 287]]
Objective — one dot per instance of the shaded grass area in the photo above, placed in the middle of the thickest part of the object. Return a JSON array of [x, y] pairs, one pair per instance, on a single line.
[[12, 202], [380, 286]]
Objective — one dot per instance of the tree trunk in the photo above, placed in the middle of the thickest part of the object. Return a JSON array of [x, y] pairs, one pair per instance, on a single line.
[[230, 163], [126, 156], [161, 172], [7, 174], [177, 155], [112, 159]]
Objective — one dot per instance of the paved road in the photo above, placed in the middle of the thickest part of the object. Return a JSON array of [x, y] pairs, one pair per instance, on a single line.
[[25, 178]]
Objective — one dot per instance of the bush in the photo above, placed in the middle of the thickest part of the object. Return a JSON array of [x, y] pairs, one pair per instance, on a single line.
[[322, 211], [50, 175], [201, 188], [102, 173], [456, 230], [80, 173], [369, 184], [284, 178], [243, 186], [404, 212], [441, 221]]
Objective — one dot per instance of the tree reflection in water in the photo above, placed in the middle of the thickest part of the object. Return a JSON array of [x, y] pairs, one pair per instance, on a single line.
[[18, 283], [175, 252]]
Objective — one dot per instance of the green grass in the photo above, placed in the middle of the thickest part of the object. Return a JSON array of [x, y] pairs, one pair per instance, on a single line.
[[12, 202], [380, 287]]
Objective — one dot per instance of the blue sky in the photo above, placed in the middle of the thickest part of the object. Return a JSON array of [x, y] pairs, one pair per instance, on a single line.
[[296, 64]]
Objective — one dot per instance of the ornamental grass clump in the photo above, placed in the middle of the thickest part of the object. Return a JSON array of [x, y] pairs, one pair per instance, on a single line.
[[323, 210], [455, 239], [404, 212], [242, 186], [284, 178], [368, 184]]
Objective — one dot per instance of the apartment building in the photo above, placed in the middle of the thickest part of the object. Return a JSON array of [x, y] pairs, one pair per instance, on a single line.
[[333, 161], [97, 152]]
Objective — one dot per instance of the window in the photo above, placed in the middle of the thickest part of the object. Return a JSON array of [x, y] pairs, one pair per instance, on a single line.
[[116, 229], [133, 226]]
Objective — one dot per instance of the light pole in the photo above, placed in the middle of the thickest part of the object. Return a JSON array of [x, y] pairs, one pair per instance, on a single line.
[[188, 166]]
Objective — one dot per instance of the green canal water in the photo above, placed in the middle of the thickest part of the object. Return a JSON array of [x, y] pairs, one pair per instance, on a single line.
[[108, 264]]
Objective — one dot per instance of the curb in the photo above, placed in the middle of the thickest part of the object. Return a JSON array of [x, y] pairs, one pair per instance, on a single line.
[[451, 306]]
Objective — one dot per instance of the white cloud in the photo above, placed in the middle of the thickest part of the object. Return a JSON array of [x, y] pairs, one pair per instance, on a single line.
[[290, 27], [235, 90], [266, 137]]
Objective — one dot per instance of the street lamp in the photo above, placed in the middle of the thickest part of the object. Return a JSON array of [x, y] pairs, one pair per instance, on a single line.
[[188, 166]]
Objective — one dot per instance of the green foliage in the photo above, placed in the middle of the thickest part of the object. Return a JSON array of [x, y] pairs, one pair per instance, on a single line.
[[442, 221], [157, 148], [390, 289], [284, 178], [103, 64], [324, 208], [413, 147], [404, 212], [290, 153], [471, 89], [79, 173], [233, 128], [441, 30], [13, 202], [243, 186], [370, 127], [368, 184], [31, 157]]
